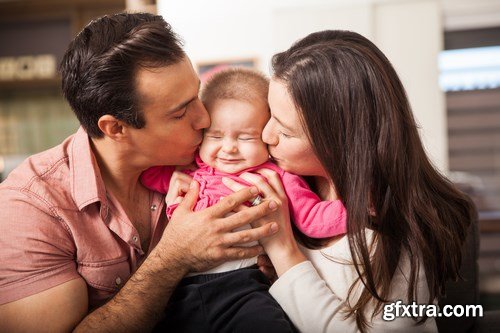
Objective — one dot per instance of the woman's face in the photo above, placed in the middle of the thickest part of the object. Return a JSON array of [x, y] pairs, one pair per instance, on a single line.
[[287, 139]]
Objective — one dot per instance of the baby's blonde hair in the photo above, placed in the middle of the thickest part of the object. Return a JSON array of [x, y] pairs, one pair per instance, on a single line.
[[238, 83]]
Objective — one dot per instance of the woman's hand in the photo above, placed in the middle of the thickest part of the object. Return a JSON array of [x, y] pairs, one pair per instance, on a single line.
[[281, 248]]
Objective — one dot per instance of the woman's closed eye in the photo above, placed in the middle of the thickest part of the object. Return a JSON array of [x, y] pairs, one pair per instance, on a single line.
[[285, 135], [246, 139]]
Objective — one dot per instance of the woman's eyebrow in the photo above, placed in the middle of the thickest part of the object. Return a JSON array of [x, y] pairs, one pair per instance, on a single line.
[[283, 125]]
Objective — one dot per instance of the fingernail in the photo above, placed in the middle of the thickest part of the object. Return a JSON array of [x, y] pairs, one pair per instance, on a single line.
[[273, 205], [192, 184], [254, 190], [274, 227]]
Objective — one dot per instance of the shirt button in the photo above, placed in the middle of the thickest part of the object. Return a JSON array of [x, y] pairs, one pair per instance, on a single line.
[[153, 208], [118, 281], [135, 239]]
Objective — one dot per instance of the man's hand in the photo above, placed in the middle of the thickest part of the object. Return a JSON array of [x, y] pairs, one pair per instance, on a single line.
[[202, 240], [266, 267]]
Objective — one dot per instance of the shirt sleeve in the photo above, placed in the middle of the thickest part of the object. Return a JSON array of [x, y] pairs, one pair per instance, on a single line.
[[312, 216], [312, 306], [157, 178], [37, 251]]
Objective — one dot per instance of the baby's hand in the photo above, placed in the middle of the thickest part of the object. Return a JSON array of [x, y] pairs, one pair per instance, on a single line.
[[179, 185]]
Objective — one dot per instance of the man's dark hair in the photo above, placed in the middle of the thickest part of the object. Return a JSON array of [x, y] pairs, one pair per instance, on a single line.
[[99, 67]]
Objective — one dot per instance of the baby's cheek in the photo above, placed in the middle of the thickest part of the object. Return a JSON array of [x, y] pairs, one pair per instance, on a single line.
[[262, 154], [206, 151]]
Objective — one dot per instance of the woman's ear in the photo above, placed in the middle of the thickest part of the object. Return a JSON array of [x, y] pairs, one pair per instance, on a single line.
[[112, 127]]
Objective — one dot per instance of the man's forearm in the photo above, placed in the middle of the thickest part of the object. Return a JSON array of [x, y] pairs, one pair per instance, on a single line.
[[139, 305]]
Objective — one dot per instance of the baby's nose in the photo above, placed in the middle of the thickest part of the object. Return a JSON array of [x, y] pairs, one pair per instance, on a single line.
[[229, 146]]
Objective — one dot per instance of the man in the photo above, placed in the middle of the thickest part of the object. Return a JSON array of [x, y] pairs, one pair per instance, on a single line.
[[84, 246]]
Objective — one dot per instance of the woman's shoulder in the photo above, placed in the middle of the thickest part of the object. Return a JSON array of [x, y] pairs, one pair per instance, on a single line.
[[335, 265], [338, 247]]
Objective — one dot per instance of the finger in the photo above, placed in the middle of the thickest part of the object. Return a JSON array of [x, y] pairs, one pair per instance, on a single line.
[[248, 235], [181, 178], [191, 197], [273, 179], [261, 184], [232, 201], [263, 260], [242, 252], [248, 216], [178, 200], [240, 208], [232, 184], [270, 273], [183, 189]]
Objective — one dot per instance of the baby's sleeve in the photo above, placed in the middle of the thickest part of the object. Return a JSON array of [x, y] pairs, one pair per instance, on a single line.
[[157, 178], [312, 216]]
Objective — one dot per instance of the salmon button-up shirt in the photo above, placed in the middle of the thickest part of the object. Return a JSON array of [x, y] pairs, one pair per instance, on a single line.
[[58, 223]]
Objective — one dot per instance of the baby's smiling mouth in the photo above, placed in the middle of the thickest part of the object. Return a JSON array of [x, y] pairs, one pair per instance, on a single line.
[[229, 160]]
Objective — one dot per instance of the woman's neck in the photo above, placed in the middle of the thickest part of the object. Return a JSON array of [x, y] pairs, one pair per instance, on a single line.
[[325, 188]]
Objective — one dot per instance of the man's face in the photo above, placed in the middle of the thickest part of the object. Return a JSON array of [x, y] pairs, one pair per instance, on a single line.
[[174, 115]]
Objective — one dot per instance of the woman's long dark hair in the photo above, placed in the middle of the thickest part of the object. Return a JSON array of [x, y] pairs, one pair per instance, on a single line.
[[360, 124]]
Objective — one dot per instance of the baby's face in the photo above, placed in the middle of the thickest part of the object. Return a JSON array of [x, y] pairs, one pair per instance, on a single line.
[[233, 142]]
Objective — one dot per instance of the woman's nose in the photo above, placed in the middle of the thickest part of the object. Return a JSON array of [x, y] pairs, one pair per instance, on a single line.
[[269, 134]]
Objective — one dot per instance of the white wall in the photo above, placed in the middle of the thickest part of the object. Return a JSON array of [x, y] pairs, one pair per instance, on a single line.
[[409, 32]]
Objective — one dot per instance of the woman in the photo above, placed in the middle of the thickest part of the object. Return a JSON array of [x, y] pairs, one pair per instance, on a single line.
[[340, 115]]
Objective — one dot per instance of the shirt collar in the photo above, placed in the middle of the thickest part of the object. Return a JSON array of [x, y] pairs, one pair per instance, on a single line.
[[87, 186]]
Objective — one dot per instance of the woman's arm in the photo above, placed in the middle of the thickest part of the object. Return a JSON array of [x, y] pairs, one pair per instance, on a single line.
[[314, 296]]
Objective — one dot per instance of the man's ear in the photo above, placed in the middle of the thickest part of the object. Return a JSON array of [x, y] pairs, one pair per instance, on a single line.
[[111, 127]]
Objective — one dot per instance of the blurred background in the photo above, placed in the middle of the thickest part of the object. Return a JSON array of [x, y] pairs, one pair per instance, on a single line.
[[447, 53]]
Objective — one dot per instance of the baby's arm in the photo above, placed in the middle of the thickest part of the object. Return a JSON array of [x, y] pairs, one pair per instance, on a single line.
[[312, 216], [158, 178], [169, 180]]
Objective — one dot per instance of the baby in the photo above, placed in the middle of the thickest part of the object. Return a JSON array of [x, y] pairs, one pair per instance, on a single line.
[[236, 100]]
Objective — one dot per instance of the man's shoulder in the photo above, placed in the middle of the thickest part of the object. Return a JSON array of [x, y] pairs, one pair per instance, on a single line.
[[42, 175]]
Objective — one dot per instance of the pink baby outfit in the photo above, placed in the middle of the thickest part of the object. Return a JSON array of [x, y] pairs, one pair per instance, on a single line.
[[312, 216]]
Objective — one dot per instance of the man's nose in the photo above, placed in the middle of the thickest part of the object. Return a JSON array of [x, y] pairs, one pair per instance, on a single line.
[[202, 118]]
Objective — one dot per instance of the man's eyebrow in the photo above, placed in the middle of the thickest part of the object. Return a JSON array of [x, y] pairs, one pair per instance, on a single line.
[[183, 104], [282, 124]]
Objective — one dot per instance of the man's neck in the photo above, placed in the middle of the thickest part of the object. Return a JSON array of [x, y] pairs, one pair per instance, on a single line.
[[118, 171]]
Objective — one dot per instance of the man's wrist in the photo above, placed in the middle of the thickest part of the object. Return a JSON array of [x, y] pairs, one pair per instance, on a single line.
[[169, 259]]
